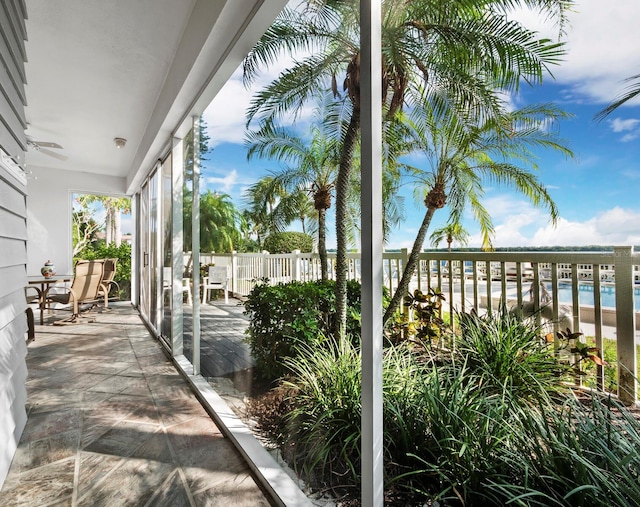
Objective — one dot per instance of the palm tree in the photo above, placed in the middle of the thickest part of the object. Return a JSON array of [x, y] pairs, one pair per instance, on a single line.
[[262, 200], [455, 53], [450, 232], [632, 91], [462, 157], [220, 223], [313, 168]]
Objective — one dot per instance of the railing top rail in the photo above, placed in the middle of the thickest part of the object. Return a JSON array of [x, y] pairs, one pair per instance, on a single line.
[[557, 257]]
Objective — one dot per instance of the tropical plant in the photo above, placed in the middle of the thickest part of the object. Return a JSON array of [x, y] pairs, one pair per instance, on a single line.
[[312, 164], [262, 208], [632, 91], [450, 233], [114, 208], [219, 223], [456, 53], [473, 427], [464, 156]]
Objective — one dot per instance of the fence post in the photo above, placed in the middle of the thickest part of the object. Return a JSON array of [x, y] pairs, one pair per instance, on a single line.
[[265, 264], [625, 325], [404, 260], [234, 272], [295, 266]]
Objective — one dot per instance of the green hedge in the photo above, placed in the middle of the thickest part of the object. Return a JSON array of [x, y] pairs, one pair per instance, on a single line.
[[286, 316], [286, 242]]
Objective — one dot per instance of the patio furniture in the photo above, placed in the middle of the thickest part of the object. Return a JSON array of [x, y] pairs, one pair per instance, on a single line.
[[108, 280], [85, 288], [186, 287], [45, 285], [217, 279]]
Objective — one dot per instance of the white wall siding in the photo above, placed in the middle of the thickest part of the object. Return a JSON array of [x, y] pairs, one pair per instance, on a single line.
[[13, 232]]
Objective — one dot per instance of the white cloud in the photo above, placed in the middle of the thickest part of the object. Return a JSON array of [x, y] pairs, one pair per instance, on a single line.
[[616, 226], [226, 115], [223, 184], [602, 47], [619, 125]]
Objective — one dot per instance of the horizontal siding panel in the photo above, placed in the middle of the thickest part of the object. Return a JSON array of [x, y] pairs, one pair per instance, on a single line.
[[10, 144], [19, 15], [12, 277], [21, 7], [10, 91], [9, 116], [15, 55], [12, 307], [16, 25], [14, 75], [12, 226], [13, 252], [13, 369], [12, 200]]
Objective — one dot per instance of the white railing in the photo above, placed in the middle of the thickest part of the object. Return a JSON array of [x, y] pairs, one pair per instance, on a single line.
[[595, 292]]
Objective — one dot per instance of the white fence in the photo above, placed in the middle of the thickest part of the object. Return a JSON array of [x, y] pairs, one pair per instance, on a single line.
[[595, 292]]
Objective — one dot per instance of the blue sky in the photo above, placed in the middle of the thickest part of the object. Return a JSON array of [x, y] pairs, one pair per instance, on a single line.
[[597, 192]]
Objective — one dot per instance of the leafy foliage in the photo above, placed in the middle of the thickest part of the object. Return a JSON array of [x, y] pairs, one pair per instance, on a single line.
[[487, 424], [422, 321], [285, 317], [285, 242]]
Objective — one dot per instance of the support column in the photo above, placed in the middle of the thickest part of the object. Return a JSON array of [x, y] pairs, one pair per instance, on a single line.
[[372, 247], [177, 247], [625, 325], [195, 245]]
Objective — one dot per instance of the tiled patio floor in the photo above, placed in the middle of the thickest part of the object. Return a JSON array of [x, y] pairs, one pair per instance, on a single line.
[[112, 423]]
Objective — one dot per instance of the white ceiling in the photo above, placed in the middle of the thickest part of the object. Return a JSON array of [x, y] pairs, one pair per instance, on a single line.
[[100, 69]]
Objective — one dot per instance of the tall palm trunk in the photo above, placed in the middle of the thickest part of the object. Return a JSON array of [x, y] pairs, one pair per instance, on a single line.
[[322, 243], [435, 199], [342, 188]]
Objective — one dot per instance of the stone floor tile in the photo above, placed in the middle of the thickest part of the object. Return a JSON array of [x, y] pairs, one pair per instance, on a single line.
[[132, 482], [35, 453], [121, 439], [41, 425], [239, 491], [45, 485], [173, 493]]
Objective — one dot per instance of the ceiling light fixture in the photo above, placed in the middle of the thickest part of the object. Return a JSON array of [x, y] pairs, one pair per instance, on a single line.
[[120, 142]]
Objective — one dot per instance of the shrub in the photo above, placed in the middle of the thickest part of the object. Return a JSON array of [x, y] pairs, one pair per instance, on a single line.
[[285, 316], [455, 429], [286, 242], [123, 266], [502, 349]]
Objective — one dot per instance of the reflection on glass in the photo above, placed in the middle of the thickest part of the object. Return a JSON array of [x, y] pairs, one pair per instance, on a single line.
[[167, 262], [188, 261]]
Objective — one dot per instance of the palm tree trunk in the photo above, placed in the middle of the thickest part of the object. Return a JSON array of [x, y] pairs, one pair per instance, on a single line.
[[342, 188], [322, 244], [410, 267]]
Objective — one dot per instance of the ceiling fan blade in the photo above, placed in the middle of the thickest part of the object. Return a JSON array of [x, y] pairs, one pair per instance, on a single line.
[[44, 144], [52, 154]]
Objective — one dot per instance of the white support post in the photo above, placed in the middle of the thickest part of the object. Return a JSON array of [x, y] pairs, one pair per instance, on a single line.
[[625, 325], [195, 245], [372, 248], [233, 268], [177, 247], [265, 264], [295, 265]]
